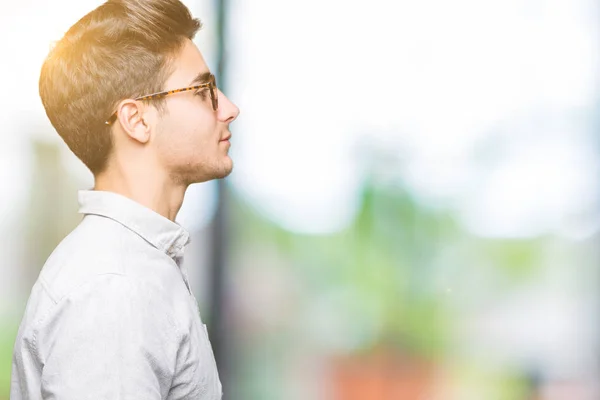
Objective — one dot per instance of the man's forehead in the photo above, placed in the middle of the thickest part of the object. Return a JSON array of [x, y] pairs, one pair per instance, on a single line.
[[189, 65]]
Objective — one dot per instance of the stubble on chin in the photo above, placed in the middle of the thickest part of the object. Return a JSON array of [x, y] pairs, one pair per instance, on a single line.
[[225, 170], [188, 175]]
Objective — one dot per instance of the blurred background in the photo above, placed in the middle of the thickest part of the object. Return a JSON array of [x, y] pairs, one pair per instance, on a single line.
[[414, 209]]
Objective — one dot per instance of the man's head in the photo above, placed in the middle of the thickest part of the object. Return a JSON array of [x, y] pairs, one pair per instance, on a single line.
[[119, 52]]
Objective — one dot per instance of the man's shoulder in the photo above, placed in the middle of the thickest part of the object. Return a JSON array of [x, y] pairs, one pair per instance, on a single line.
[[90, 250], [100, 247]]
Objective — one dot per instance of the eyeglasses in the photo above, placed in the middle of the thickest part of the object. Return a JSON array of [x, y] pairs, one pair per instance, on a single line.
[[211, 85]]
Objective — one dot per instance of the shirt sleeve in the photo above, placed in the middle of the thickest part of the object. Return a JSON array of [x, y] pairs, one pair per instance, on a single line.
[[110, 339]]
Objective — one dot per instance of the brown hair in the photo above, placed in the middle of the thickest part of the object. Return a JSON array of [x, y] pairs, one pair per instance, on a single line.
[[120, 50]]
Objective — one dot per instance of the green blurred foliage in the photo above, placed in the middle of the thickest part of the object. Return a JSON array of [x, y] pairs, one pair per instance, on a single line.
[[390, 271], [390, 260]]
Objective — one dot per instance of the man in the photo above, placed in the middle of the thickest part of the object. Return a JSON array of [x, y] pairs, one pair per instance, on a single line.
[[111, 315]]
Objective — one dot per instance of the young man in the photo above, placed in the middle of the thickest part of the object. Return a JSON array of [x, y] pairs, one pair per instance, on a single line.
[[111, 315]]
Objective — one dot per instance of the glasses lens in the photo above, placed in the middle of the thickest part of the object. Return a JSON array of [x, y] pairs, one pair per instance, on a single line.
[[214, 94]]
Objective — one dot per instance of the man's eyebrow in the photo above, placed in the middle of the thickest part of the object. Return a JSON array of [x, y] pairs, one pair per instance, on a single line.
[[202, 77]]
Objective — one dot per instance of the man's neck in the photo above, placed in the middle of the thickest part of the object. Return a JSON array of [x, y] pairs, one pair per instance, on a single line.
[[159, 195]]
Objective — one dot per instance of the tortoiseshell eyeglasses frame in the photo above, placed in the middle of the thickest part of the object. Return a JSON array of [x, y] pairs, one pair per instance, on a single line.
[[211, 85]]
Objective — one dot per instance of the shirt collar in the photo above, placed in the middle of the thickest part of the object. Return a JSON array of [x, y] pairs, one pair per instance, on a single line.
[[162, 233]]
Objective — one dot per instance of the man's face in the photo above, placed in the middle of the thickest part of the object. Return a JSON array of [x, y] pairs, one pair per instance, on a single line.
[[191, 139]]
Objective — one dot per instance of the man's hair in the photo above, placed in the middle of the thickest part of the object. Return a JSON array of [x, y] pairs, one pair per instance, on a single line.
[[122, 49]]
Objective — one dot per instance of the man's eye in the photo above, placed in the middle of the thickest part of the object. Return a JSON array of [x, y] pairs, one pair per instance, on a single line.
[[201, 93]]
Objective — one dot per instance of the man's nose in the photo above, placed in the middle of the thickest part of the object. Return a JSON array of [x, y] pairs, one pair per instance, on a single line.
[[228, 111]]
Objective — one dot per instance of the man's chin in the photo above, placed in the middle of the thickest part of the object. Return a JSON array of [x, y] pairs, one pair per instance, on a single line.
[[220, 172], [226, 167], [223, 171]]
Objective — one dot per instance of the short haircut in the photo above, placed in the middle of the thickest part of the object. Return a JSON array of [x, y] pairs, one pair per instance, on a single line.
[[122, 49]]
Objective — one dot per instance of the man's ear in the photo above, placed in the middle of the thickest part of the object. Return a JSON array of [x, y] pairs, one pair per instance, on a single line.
[[131, 117]]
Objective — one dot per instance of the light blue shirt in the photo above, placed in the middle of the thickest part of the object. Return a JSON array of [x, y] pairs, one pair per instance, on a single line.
[[111, 315]]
